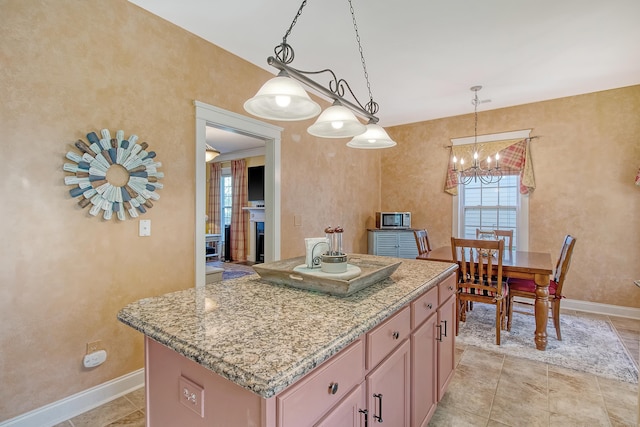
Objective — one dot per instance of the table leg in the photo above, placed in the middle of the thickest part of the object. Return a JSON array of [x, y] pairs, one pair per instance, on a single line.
[[541, 310]]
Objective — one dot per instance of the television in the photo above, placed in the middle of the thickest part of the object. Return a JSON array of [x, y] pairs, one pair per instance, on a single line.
[[255, 184]]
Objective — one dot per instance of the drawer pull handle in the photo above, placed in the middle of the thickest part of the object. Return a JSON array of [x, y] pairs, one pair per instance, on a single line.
[[450, 287], [395, 335], [366, 416], [429, 306], [439, 337], [378, 417], [333, 388]]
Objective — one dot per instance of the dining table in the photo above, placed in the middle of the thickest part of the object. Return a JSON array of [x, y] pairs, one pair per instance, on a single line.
[[536, 266]]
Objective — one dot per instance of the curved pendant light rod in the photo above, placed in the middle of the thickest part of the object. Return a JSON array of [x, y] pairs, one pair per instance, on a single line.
[[300, 76]]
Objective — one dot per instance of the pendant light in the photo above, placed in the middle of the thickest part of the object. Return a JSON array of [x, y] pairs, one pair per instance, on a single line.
[[336, 121], [210, 153], [282, 98], [375, 137]]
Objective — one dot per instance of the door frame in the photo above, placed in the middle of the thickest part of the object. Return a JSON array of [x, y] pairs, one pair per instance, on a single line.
[[213, 116]]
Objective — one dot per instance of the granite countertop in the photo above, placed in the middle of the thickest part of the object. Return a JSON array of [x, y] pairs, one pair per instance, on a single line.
[[265, 336]]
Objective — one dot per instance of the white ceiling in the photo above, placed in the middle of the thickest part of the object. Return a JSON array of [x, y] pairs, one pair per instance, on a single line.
[[422, 56]]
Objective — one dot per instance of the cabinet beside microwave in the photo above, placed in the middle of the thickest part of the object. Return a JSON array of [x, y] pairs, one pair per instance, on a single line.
[[393, 220]]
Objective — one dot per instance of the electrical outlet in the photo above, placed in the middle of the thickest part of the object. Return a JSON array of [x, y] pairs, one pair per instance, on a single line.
[[191, 395], [93, 346]]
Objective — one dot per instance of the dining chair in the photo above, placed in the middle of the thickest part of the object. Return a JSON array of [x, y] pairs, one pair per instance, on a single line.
[[526, 288], [480, 278], [422, 240], [506, 235]]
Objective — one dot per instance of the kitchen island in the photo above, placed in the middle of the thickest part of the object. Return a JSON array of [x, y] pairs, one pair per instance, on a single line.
[[247, 352]]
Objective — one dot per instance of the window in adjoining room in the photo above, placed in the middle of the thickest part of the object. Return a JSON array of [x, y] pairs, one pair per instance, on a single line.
[[492, 206]]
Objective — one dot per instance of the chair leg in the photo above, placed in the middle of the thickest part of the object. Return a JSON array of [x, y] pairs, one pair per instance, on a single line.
[[555, 308], [510, 315], [498, 323]]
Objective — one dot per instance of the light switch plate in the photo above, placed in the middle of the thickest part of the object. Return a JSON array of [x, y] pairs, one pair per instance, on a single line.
[[191, 396], [144, 228]]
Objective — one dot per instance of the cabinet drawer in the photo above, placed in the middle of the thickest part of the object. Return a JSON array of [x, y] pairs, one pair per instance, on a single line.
[[424, 306], [317, 392], [446, 288], [386, 336]]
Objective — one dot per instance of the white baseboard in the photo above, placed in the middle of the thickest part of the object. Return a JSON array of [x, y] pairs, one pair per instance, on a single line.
[[595, 307], [69, 407], [591, 307]]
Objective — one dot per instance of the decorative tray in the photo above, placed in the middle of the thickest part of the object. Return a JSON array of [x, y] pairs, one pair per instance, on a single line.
[[284, 272]]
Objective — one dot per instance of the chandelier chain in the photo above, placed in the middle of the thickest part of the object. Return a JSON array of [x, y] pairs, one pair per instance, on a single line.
[[371, 106], [284, 52]]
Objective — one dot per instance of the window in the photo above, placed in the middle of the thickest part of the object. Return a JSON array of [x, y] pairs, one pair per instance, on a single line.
[[492, 206], [226, 193]]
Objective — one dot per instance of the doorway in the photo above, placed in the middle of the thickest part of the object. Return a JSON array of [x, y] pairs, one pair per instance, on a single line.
[[212, 116]]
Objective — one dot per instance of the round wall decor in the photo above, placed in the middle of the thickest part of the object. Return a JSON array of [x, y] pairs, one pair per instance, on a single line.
[[113, 175]]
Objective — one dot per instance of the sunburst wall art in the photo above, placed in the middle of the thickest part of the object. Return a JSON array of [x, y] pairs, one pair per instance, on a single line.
[[113, 175]]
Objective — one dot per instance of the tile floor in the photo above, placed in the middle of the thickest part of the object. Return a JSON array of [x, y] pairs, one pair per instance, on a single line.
[[488, 390]]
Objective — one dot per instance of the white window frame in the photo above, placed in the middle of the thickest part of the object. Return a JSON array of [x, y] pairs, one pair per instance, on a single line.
[[522, 210]]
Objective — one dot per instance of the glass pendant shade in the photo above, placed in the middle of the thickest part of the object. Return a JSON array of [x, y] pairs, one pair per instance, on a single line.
[[210, 153], [336, 122], [375, 137], [282, 98]]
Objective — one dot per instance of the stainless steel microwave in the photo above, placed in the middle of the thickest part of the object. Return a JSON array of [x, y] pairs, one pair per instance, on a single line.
[[397, 220]]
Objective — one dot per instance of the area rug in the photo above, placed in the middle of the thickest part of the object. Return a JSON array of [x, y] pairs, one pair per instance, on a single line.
[[234, 274], [588, 345]]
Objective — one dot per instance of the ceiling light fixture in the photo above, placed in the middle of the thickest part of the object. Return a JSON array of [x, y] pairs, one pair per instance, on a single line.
[[210, 153], [476, 172], [284, 98]]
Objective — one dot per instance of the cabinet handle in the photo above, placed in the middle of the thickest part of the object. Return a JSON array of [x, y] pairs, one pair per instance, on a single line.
[[450, 287], [366, 416], [378, 417], [439, 337], [445, 327], [333, 388], [395, 335], [429, 306]]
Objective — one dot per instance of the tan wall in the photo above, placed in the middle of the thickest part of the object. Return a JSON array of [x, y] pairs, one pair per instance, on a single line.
[[70, 67], [585, 162]]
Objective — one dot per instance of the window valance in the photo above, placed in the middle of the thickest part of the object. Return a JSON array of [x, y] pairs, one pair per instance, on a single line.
[[515, 157]]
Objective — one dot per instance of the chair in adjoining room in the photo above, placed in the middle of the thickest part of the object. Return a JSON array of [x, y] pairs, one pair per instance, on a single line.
[[480, 278], [527, 288], [422, 240], [506, 235]]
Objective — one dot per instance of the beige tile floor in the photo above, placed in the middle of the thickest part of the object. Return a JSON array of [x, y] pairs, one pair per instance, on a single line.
[[488, 390]]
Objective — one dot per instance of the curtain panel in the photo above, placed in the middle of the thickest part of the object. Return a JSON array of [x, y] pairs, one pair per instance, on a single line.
[[239, 220], [515, 157], [213, 203]]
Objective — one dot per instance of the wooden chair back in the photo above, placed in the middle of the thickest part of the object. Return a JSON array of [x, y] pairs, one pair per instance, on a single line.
[[506, 235], [564, 261], [478, 271], [422, 240]]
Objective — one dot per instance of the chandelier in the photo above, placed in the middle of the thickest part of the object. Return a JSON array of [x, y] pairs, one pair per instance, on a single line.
[[284, 98], [476, 172]]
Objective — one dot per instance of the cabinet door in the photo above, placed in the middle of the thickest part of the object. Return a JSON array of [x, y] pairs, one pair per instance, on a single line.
[[446, 347], [347, 413], [424, 374], [386, 243], [407, 247], [388, 389]]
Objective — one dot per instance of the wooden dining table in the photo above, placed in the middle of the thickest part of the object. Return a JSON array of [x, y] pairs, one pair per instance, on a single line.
[[519, 264]]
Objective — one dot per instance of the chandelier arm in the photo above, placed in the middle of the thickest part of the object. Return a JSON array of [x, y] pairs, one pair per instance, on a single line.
[[301, 77]]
